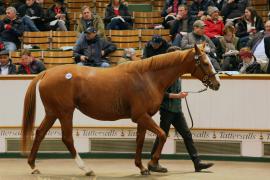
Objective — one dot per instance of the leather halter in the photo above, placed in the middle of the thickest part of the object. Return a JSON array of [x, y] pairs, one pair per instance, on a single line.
[[206, 78]]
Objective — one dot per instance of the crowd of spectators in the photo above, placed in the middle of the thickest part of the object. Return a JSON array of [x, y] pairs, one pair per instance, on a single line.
[[234, 34]]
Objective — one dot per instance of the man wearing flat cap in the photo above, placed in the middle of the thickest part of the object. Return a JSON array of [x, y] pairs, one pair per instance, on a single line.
[[6, 65], [157, 45], [91, 50], [198, 37]]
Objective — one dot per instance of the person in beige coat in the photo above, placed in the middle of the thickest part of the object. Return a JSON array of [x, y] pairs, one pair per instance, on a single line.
[[89, 19]]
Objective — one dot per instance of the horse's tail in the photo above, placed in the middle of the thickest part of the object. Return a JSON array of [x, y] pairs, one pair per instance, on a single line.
[[29, 113]]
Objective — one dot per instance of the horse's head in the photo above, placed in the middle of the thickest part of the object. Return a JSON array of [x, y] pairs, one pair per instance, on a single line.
[[204, 70]]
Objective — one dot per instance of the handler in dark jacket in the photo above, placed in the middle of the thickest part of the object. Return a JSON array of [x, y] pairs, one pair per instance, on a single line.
[[156, 46], [91, 50]]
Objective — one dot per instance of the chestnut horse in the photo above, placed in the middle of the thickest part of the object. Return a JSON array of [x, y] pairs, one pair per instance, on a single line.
[[132, 90]]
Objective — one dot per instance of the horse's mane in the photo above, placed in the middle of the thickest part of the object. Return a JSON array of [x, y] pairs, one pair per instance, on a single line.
[[156, 62]]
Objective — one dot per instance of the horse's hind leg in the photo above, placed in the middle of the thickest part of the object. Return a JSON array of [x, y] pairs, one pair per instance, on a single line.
[[67, 138], [46, 124]]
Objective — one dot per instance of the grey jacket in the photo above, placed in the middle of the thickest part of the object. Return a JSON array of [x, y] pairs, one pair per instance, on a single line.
[[92, 49]]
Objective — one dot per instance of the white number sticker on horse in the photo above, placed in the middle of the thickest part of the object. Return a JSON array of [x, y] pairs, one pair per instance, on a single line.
[[68, 76]]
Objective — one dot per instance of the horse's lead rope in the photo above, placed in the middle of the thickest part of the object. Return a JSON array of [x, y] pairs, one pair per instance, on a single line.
[[202, 90]]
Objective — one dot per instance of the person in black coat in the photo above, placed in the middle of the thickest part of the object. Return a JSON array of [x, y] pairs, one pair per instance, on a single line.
[[170, 8], [11, 29], [35, 12], [199, 8], [58, 13], [233, 8], [249, 25], [117, 16], [157, 45], [6, 65]]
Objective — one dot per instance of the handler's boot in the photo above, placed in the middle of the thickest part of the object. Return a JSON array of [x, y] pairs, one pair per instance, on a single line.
[[157, 168], [198, 165]]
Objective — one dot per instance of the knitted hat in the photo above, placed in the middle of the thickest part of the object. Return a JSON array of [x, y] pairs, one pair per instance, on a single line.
[[212, 9]]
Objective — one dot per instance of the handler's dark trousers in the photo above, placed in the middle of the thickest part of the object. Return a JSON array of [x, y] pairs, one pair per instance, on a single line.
[[179, 122]]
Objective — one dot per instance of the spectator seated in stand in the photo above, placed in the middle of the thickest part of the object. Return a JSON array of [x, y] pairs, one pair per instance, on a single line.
[[11, 29], [170, 10], [181, 25], [117, 16], [89, 19], [30, 65], [213, 25], [57, 15], [233, 10], [128, 55], [249, 25], [260, 45], [33, 15], [199, 8], [198, 37], [91, 50], [249, 65], [228, 49], [6, 65], [157, 45]]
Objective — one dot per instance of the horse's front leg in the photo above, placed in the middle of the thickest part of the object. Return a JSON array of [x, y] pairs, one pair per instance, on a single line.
[[147, 123], [138, 158]]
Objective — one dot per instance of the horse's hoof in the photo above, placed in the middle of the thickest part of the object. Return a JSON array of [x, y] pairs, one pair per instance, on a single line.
[[145, 172], [90, 173], [36, 171]]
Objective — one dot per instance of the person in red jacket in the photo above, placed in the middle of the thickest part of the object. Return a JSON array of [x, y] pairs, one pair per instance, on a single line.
[[213, 24]]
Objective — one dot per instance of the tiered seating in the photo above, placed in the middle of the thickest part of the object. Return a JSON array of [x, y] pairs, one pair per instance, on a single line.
[[158, 5], [40, 39], [74, 16], [101, 6], [125, 38], [115, 56], [147, 20], [56, 58], [261, 7], [76, 5], [50, 39], [63, 38]]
